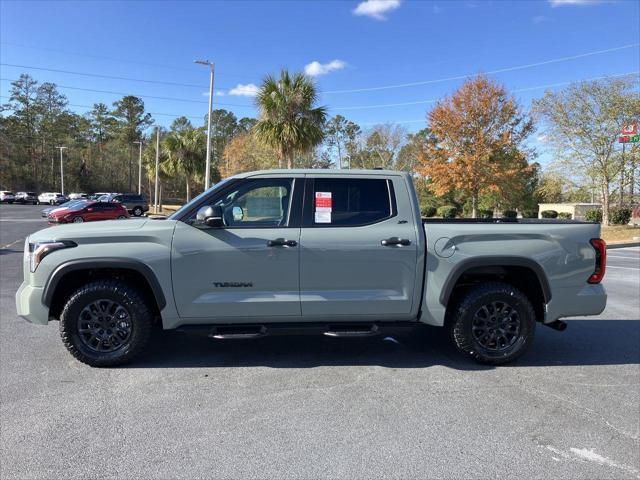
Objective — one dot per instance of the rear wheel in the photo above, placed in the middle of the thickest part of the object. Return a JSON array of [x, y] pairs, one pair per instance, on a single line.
[[137, 211], [121, 217], [105, 323], [493, 323]]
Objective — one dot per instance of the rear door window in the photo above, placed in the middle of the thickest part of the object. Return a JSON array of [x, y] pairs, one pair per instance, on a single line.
[[351, 201]]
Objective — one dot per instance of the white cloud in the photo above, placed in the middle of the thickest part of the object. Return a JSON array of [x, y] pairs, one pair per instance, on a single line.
[[248, 90], [316, 68], [376, 8], [218, 93], [560, 3]]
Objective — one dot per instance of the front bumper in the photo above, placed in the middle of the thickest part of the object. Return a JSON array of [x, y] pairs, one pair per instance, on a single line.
[[29, 304]]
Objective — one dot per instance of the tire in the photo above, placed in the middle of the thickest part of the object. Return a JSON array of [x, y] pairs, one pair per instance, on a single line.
[[78, 220], [121, 217], [52, 202], [493, 323], [119, 348], [137, 212]]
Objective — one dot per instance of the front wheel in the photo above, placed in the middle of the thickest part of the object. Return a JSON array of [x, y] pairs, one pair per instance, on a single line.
[[52, 202], [105, 323], [493, 323], [78, 220], [137, 212]]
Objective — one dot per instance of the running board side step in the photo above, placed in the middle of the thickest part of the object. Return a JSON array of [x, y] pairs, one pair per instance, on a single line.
[[352, 330], [238, 332], [248, 331]]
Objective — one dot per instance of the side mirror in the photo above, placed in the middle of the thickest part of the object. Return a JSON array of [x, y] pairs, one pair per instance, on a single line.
[[211, 216]]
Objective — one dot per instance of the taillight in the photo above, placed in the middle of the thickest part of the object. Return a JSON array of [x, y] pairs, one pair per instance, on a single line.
[[600, 247]]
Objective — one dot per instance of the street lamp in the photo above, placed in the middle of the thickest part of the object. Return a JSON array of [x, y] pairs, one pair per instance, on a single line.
[[139, 167], [61, 171], [208, 162]]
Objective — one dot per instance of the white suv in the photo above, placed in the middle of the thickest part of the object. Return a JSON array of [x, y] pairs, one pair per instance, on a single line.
[[7, 196], [52, 198]]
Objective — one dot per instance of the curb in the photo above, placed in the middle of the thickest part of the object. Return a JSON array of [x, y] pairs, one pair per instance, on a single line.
[[623, 245]]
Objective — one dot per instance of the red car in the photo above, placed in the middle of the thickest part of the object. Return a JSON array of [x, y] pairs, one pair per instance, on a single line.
[[88, 212]]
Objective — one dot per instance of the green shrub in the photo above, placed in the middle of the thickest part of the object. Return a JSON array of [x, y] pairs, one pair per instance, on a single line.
[[485, 213], [549, 214], [593, 215], [619, 215], [565, 215], [428, 211], [447, 211], [530, 213], [510, 214]]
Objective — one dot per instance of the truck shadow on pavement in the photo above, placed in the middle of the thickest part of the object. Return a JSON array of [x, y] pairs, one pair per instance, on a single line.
[[586, 342]]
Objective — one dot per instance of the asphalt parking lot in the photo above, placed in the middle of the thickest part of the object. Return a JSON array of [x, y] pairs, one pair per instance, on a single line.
[[316, 407]]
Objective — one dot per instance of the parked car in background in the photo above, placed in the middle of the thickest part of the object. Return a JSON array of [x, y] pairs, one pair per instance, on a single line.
[[88, 212], [97, 195], [6, 196], [77, 196], [27, 197], [52, 198], [106, 197], [136, 204], [71, 203]]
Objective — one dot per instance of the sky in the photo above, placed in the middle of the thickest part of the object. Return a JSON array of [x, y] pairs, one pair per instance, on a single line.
[[375, 61]]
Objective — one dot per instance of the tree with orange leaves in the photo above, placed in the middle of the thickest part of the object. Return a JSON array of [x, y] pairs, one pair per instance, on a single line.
[[477, 145]]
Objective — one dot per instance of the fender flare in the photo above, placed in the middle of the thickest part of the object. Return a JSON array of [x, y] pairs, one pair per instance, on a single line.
[[103, 262], [494, 261]]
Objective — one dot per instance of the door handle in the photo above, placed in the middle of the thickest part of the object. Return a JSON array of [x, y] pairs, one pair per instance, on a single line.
[[281, 242], [395, 241]]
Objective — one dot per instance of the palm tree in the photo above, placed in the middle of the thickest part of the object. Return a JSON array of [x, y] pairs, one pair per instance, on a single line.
[[185, 150], [289, 122]]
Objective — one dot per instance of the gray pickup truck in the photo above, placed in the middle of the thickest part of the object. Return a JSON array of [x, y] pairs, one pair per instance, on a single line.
[[334, 252]]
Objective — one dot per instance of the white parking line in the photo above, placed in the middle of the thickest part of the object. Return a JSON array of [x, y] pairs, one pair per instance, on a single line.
[[41, 220], [13, 243]]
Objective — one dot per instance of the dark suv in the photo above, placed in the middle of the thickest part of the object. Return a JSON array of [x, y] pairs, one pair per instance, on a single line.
[[134, 203]]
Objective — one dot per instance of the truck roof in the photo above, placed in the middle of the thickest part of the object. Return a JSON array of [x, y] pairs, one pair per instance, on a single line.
[[323, 171]]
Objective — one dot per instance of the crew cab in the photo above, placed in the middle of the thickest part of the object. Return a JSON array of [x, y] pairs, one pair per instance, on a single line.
[[334, 252]]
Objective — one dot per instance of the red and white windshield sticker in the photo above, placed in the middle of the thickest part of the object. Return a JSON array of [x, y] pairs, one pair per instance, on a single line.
[[323, 207]]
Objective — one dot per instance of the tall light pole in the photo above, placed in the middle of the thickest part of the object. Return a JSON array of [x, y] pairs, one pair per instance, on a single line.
[[61, 171], [139, 167], [207, 174], [155, 197]]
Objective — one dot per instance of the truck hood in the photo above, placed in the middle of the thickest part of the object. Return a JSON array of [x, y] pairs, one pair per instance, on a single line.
[[103, 230]]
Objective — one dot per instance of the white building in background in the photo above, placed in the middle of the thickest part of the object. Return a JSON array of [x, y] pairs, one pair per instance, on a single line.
[[577, 210]]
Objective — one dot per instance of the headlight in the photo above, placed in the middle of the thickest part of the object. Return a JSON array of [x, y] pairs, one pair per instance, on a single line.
[[39, 250]]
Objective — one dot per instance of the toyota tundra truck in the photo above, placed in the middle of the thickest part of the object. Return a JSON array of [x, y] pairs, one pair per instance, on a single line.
[[332, 252]]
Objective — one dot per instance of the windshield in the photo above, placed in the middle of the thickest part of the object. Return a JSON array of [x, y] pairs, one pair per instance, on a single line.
[[188, 205], [72, 203]]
